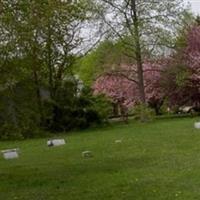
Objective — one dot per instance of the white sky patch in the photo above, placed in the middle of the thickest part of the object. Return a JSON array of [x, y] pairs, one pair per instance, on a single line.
[[91, 34], [195, 5]]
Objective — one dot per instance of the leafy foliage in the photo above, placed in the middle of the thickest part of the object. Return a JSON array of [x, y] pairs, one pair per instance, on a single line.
[[108, 55], [143, 113], [182, 77], [37, 52]]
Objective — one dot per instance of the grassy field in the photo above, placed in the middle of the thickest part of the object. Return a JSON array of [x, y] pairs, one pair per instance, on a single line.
[[157, 160]]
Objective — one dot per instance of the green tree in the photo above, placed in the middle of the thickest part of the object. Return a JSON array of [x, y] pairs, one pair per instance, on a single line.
[[150, 25], [37, 48], [107, 56]]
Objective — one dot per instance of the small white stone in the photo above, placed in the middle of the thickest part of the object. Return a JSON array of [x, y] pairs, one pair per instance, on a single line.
[[55, 142], [10, 153], [118, 141], [87, 154], [197, 125]]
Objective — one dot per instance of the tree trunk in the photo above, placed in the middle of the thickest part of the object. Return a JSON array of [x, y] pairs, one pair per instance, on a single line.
[[38, 96], [37, 86], [138, 54], [124, 113], [115, 109], [49, 63]]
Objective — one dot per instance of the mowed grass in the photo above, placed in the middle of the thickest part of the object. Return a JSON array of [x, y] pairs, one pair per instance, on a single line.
[[157, 160]]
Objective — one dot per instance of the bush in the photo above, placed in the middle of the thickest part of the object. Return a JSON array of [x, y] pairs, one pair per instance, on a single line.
[[143, 113], [20, 117], [25, 126], [102, 106], [10, 132], [76, 112]]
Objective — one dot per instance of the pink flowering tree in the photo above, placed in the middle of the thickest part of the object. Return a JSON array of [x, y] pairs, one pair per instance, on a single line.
[[155, 94], [122, 88], [176, 79], [182, 78], [121, 91]]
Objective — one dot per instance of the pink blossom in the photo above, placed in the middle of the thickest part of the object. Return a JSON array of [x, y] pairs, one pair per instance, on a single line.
[[120, 85]]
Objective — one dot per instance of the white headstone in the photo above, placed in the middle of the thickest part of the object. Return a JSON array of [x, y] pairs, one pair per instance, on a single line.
[[55, 142], [197, 125], [87, 154], [10, 153]]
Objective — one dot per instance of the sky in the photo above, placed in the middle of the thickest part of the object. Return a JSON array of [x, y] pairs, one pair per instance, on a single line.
[[195, 5]]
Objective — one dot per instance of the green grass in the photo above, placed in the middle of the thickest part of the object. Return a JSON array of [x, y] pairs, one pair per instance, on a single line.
[[157, 160]]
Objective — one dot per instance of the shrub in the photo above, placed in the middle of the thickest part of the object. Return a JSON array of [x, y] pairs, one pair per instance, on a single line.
[[10, 132], [143, 113], [76, 111]]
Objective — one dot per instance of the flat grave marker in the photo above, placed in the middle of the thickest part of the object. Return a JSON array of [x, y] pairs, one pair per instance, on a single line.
[[197, 125], [87, 154], [55, 142], [9, 154], [118, 141]]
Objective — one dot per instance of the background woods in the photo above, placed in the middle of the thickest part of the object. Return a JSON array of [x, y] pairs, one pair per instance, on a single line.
[[58, 73]]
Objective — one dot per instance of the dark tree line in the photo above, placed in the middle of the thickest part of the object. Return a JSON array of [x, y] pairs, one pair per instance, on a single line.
[[38, 88]]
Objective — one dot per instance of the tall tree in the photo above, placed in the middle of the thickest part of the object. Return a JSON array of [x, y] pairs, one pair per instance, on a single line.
[[182, 79], [44, 35], [150, 27]]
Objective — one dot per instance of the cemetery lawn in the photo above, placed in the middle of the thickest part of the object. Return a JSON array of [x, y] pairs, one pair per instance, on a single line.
[[156, 160]]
